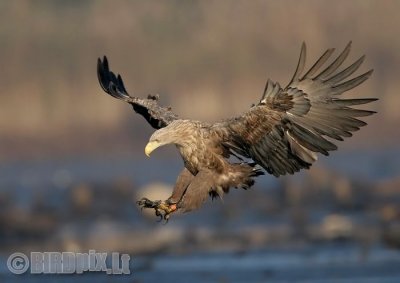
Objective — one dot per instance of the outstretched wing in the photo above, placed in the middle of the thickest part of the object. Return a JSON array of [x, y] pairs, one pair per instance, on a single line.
[[156, 115], [290, 125]]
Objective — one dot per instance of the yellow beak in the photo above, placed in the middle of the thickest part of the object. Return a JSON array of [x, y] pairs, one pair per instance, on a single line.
[[150, 147]]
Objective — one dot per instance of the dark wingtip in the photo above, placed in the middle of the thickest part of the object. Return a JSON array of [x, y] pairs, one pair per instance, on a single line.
[[105, 61], [102, 74], [110, 83]]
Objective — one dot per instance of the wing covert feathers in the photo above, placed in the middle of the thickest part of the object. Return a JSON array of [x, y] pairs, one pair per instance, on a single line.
[[156, 115], [289, 126]]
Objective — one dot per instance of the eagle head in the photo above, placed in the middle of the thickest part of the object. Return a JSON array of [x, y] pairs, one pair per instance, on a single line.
[[175, 133]]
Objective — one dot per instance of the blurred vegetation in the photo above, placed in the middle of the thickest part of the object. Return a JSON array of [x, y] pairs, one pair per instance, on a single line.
[[207, 59]]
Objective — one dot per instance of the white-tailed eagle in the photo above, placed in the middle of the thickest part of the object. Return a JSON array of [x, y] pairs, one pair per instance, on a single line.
[[282, 133]]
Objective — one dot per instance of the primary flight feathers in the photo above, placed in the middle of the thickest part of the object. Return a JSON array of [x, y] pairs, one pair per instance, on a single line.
[[282, 133]]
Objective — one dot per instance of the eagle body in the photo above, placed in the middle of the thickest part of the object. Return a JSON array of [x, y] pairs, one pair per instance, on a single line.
[[281, 134], [201, 148]]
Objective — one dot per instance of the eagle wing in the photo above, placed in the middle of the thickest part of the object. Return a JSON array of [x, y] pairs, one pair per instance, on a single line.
[[149, 108], [286, 129]]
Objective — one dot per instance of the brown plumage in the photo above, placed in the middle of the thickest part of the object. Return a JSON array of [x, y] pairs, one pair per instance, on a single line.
[[282, 133]]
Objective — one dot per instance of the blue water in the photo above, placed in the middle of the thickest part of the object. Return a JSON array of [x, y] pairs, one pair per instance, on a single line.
[[339, 263], [329, 263], [373, 165]]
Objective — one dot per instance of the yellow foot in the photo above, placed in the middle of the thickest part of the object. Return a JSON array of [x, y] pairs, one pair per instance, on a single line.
[[162, 208]]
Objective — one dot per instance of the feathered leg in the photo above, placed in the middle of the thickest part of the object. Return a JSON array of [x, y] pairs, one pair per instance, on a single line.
[[197, 192], [182, 182]]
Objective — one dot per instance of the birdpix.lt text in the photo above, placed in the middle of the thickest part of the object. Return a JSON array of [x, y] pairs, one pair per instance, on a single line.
[[68, 263]]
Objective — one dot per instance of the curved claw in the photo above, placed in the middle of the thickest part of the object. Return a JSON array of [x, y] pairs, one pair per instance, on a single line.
[[166, 218], [159, 214], [162, 209], [142, 202]]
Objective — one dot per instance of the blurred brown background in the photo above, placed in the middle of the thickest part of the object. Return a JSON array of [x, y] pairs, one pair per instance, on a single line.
[[72, 161], [197, 55]]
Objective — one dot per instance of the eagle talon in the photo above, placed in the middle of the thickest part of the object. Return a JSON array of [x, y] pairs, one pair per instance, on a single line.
[[159, 214], [163, 209], [146, 203]]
